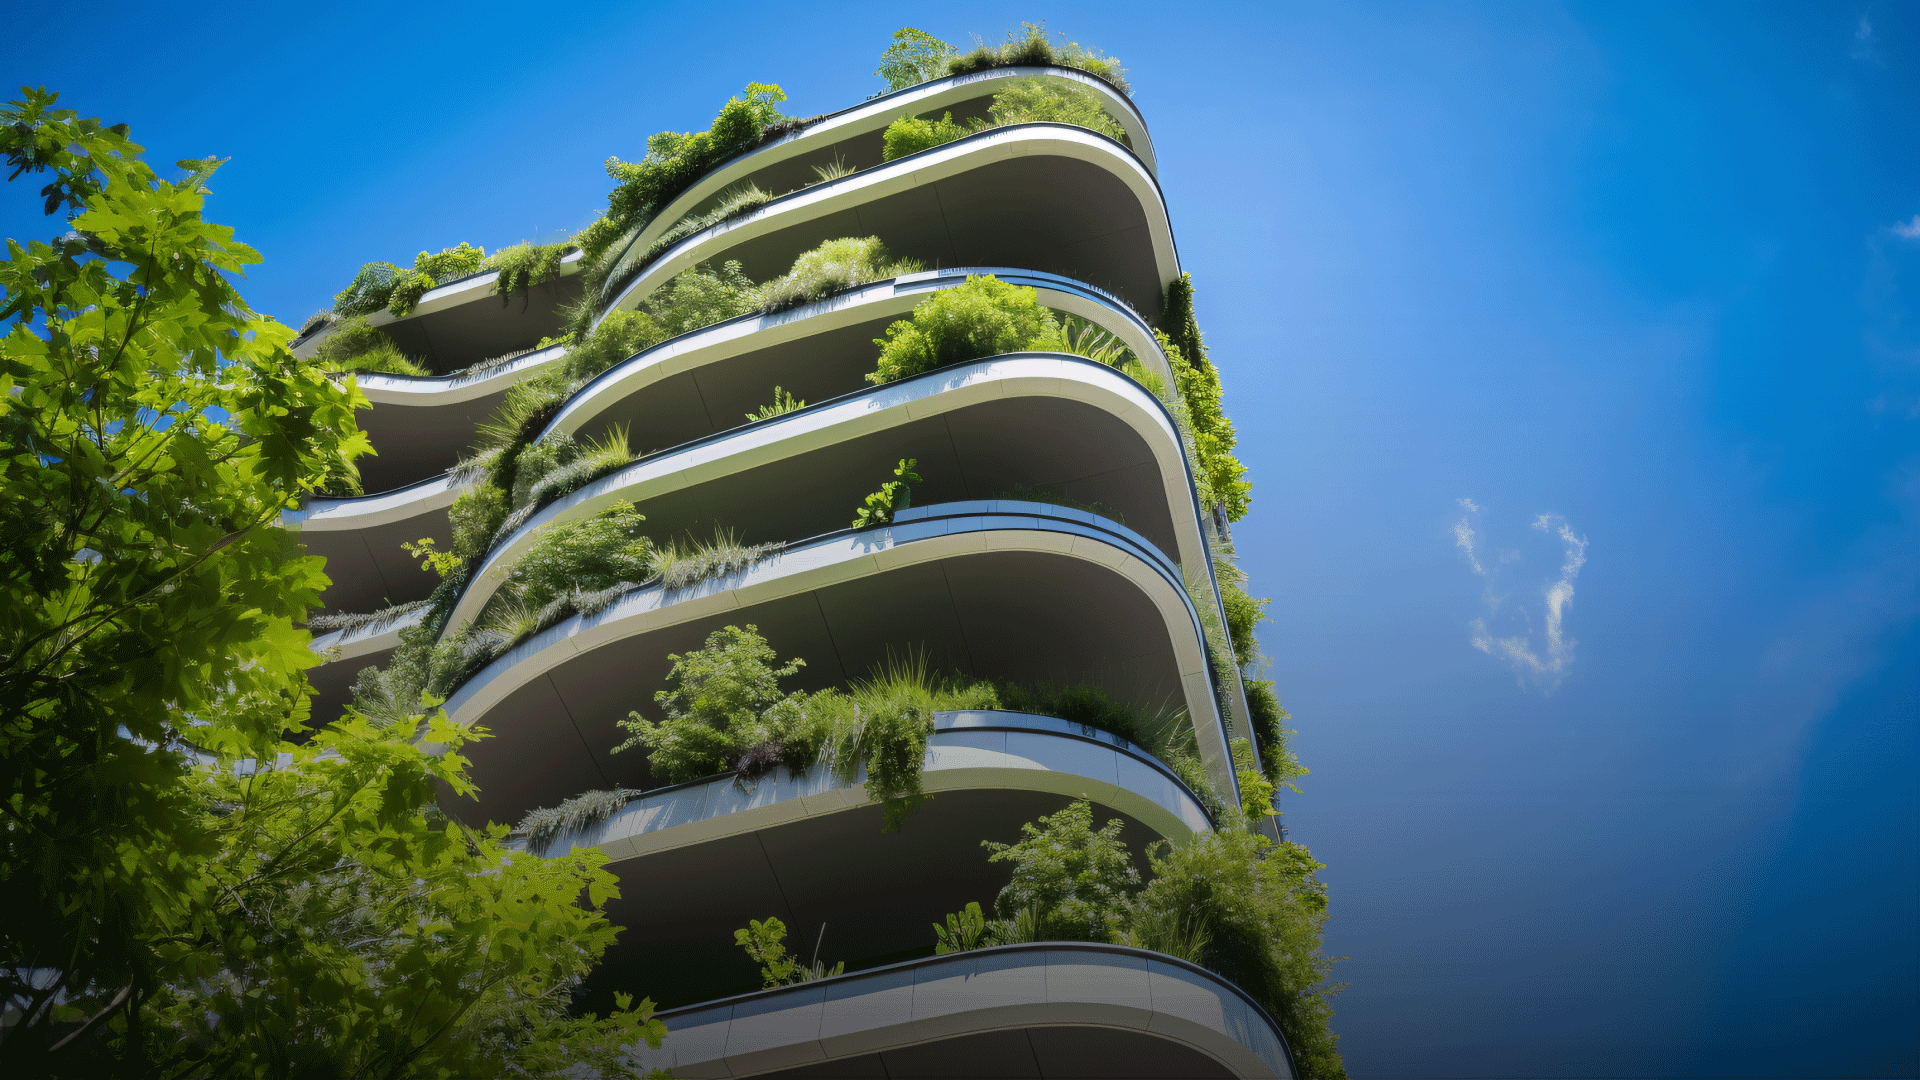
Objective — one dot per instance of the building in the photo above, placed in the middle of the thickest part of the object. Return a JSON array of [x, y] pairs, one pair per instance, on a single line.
[[997, 569]]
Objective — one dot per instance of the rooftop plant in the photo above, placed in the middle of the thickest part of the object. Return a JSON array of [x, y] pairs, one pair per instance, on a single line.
[[983, 317], [673, 162], [917, 56]]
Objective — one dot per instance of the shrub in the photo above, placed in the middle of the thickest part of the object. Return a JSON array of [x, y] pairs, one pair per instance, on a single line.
[[984, 317], [369, 291], [525, 265], [716, 704], [542, 826], [831, 267], [1243, 613], [911, 134], [883, 722], [430, 270], [474, 518], [1265, 717], [355, 345], [1036, 47], [1074, 879], [1256, 791], [1033, 101], [701, 297], [596, 553], [1256, 910], [914, 57], [621, 334], [674, 161], [634, 260], [581, 464], [1198, 383]]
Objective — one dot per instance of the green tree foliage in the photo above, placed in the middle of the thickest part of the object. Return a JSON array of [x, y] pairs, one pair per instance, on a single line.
[[894, 496], [912, 134], [1073, 877], [984, 317], [350, 930], [914, 57], [719, 701], [182, 892], [155, 428], [1035, 101]]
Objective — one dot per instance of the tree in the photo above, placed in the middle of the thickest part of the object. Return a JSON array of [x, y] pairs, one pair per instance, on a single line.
[[183, 891]]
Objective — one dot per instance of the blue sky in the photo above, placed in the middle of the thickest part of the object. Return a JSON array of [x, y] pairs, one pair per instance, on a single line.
[[1642, 275]]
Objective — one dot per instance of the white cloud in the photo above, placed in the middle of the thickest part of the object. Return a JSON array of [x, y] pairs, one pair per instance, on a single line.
[[1908, 230], [1463, 535], [1548, 661]]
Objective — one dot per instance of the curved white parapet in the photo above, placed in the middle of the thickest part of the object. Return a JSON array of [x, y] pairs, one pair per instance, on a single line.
[[878, 300], [896, 404], [428, 496], [1086, 1010], [915, 170], [873, 116], [425, 393], [970, 750], [453, 294], [808, 567]]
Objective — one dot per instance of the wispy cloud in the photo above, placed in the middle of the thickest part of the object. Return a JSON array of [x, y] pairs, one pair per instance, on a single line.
[[1908, 230], [1547, 661], [1463, 535], [1865, 41]]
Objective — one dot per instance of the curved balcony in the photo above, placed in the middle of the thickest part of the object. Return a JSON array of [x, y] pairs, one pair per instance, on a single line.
[[464, 322], [853, 136], [421, 426], [1052, 1009], [977, 429], [703, 381], [360, 538], [1061, 596], [810, 849], [1051, 197]]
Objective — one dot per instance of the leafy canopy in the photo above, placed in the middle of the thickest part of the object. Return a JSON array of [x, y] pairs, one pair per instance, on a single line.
[[182, 891]]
